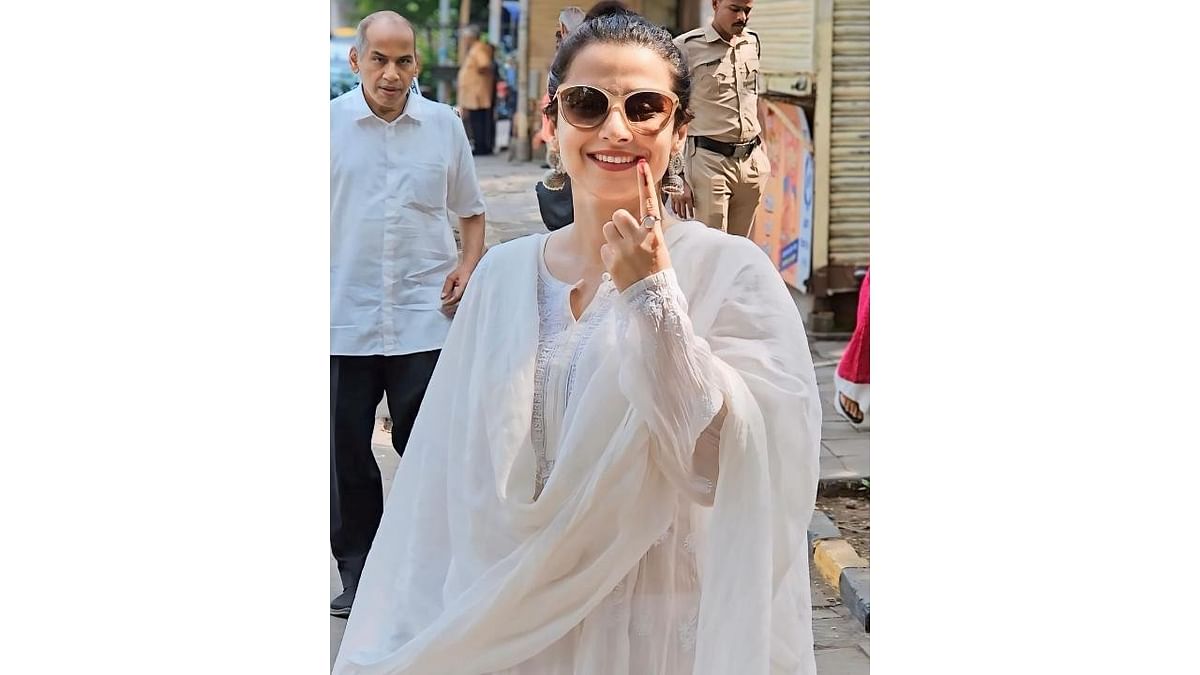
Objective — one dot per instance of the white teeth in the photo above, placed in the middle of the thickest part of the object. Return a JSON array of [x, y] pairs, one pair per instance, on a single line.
[[614, 160]]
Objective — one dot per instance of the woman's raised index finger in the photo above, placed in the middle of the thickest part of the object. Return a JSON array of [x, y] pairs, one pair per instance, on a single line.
[[648, 202]]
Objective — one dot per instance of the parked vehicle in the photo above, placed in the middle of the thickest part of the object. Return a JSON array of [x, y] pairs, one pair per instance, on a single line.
[[341, 78]]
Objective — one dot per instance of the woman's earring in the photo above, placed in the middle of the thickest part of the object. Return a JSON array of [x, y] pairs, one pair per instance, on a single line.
[[555, 178], [672, 183]]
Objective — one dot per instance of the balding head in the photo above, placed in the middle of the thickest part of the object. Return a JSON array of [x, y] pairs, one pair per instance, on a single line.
[[385, 58], [384, 16]]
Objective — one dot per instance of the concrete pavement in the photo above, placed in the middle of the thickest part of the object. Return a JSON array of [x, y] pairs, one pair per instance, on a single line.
[[845, 451], [512, 209]]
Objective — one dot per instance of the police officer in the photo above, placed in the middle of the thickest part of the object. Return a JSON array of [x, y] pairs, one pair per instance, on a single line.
[[725, 165]]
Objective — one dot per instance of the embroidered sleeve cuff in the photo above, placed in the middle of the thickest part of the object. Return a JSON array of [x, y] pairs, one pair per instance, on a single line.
[[652, 294]]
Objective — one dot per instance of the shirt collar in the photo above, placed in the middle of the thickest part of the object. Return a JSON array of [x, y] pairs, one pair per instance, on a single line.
[[413, 108], [711, 34]]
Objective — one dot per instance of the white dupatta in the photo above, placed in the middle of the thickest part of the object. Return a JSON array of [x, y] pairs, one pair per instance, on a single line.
[[468, 575]]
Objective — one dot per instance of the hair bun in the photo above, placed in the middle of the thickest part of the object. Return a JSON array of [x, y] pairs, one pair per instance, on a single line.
[[608, 8]]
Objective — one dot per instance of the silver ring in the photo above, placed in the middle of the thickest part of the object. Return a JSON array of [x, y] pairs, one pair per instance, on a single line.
[[650, 221]]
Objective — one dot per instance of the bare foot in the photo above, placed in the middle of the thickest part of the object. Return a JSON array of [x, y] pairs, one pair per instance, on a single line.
[[850, 406]]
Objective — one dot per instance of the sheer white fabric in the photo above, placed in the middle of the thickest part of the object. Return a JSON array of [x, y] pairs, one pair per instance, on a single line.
[[639, 612], [622, 494], [678, 375]]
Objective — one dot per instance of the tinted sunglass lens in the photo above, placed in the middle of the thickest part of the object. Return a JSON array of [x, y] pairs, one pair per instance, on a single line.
[[584, 106], [647, 109]]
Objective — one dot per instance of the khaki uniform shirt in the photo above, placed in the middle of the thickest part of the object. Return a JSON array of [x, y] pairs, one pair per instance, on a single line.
[[725, 83]]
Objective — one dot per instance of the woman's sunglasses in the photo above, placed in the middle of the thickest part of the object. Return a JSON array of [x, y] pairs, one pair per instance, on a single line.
[[646, 111]]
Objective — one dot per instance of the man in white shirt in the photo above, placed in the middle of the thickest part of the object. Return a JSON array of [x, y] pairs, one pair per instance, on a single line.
[[398, 164]]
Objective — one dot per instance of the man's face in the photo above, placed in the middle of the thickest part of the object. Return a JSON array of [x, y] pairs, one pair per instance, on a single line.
[[387, 66], [730, 16]]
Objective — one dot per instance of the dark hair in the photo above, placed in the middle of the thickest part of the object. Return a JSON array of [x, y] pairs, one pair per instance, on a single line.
[[616, 25], [607, 8]]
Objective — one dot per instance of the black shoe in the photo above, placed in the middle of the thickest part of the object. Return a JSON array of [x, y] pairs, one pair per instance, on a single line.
[[545, 166], [340, 606]]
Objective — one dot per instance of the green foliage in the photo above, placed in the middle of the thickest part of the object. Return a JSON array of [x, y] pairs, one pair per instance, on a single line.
[[423, 14]]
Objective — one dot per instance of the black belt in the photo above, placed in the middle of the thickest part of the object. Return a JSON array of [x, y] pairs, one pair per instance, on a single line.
[[731, 150]]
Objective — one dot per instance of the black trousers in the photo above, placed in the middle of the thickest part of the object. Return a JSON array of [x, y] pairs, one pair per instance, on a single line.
[[483, 131], [356, 385]]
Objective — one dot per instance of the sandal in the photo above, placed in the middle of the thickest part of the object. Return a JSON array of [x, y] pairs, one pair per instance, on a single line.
[[861, 423]]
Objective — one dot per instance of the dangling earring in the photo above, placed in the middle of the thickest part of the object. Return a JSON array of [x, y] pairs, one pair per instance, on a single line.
[[672, 183], [555, 178]]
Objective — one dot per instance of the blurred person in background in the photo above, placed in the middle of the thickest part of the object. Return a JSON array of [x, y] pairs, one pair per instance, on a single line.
[[477, 88], [568, 20], [852, 382]]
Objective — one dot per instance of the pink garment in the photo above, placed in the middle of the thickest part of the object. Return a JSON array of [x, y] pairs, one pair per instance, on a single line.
[[855, 365], [853, 378]]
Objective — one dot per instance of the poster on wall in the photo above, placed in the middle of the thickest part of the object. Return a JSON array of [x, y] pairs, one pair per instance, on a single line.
[[783, 222]]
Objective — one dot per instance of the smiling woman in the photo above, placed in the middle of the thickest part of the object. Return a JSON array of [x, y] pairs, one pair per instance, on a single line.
[[615, 462]]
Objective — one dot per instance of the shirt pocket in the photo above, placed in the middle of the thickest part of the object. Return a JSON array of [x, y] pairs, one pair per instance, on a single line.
[[724, 73], [751, 76], [425, 188], [712, 76]]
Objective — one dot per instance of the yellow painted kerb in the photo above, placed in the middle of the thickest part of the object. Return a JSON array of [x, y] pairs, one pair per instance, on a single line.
[[831, 556]]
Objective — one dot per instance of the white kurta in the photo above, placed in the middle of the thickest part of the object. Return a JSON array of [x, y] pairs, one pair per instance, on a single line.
[[637, 614], [560, 508]]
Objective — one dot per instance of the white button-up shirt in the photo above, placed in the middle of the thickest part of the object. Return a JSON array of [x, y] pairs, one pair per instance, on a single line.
[[391, 246]]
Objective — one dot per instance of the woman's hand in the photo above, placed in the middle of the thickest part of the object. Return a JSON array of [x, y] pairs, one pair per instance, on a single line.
[[632, 251]]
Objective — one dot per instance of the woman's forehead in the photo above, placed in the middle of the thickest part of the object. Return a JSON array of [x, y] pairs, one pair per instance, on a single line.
[[619, 68]]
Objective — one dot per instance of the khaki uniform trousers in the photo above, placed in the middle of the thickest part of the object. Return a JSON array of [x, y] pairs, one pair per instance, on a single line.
[[726, 191]]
